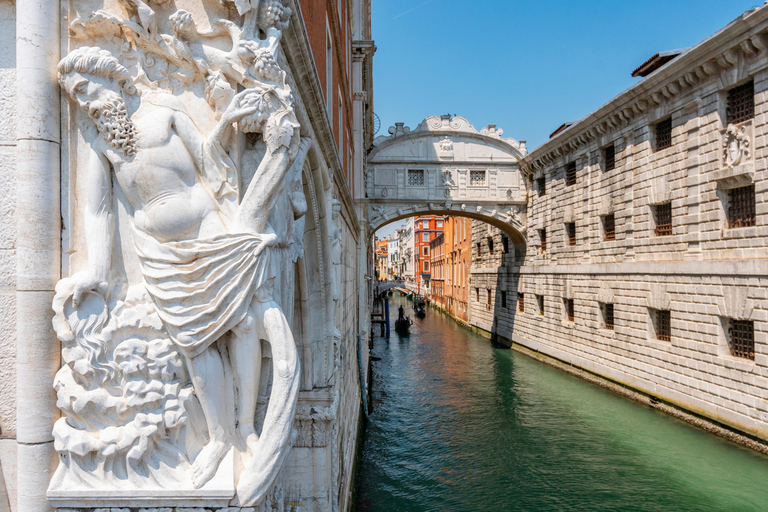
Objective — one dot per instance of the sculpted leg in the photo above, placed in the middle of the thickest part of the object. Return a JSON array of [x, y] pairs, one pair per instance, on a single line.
[[245, 357], [276, 435], [209, 380]]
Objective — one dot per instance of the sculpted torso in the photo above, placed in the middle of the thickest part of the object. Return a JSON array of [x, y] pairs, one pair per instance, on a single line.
[[162, 182]]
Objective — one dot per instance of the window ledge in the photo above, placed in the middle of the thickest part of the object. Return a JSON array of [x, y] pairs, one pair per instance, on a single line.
[[749, 232]]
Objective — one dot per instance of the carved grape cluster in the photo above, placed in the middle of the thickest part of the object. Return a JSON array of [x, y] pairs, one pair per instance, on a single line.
[[273, 14], [255, 122], [266, 66]]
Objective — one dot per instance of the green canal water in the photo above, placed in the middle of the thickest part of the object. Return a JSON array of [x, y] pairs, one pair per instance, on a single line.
[[458, 425]]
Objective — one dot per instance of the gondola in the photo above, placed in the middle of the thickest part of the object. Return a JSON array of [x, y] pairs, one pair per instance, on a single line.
[[403, 325], [420, 306]]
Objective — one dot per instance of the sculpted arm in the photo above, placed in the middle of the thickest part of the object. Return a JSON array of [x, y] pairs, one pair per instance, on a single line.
[[98, 226]]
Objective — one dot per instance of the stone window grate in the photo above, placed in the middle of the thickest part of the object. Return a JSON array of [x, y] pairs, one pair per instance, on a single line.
[[662, 318], [477, 178], [570, 174], [663, 134], [520, 302], [609, 153], [741, 334], [740, 104], [663, 219], [609, 227], [543, 239], [569, 309], [416, 177], [570, 228], [741, 207], [542, 186], [608, 316]]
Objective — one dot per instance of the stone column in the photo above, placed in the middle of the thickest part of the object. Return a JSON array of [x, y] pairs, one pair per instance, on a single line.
[[38, 254]]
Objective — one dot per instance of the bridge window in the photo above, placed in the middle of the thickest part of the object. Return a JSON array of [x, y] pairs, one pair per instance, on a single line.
[[741, 338], [607, 312], [609, 157], [661, 323], [663, 217], [609, 227], [416, 177], [540, 302], [663, 134], [569, 309], [740, 104], [570, 174], [520, 302], [477, 178], [741, 207], [570, 230]]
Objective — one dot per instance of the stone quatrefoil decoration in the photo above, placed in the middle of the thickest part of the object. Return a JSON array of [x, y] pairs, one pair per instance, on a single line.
[[161, 379]]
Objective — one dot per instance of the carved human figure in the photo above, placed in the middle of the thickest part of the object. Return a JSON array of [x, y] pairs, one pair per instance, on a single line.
[[336, 239], [204, 255]]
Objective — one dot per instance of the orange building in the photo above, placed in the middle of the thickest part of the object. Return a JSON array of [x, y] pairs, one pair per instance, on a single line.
[[451, 259]]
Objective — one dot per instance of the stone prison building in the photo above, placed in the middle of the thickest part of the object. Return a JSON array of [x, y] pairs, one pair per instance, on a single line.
[[647, 224]]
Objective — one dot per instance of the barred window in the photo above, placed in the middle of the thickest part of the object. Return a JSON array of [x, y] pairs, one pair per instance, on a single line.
[[609, 227], [663, 216], [740, 104], [741, 338], [415, 177], [609, 153], [542, 186], [663, 134], [570, 174], [477, 178], [505, 243], [543, 239], [477, 294], [661, 324], [569, 309], [540, 301], [489, 296], [741, 207], [607, 310], [520, 302], [570, 229], [490, 245], [478, 249]]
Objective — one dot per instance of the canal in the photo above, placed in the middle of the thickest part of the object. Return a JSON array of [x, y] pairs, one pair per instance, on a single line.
[[461, 426]]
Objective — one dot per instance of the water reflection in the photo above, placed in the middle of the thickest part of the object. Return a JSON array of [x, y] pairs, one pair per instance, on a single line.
[[461, 426]]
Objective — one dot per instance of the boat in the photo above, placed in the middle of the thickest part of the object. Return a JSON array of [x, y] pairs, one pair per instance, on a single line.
[[420, 306], [403, 325]]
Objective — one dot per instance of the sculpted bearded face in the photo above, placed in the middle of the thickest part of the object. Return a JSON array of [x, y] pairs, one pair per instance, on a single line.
[[106, 109]]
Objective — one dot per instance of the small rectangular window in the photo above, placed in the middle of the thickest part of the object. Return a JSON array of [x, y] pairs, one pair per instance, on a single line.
[[741, 207], [663, 217], [740, 104], [540, 301], [477, 178], [520, 302], [609, 227], [477, 294], [663, 134], [607, 310], [570, 174], [570, 230], [416, 177], [543, 239], [569, 309], [609, 154], [741, 338], [505, 244], [439, 223], [490, 246], [542, 186], [479, 252], [489, 296], [661, 324], [426, 266], [425, 237], [426, 251], [503, 299]]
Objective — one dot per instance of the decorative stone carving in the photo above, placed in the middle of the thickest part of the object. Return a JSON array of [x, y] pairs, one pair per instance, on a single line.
[[446, 145], [160, 384], [736, 146]]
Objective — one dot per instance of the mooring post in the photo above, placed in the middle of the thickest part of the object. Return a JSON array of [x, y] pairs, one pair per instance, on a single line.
[[386, 314]]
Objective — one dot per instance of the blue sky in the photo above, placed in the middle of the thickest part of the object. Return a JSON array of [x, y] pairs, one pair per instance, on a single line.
[[524, 65]]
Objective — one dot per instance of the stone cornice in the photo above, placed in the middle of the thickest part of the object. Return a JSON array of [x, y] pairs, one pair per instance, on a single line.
[[744, 39]]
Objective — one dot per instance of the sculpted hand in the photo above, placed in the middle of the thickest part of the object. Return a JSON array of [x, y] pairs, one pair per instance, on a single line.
[[86, 282], [266, 241], [237, 110]]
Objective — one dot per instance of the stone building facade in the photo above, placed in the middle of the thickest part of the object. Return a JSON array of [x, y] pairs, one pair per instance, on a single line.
[[326, 53], [646, 261]]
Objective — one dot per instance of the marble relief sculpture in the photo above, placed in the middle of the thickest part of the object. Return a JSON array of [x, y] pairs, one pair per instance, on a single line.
[[161, 377]]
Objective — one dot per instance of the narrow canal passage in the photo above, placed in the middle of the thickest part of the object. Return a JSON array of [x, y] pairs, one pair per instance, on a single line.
[[461, 426]]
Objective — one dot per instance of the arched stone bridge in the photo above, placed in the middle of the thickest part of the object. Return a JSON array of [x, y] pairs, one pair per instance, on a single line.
[[447, 167]]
